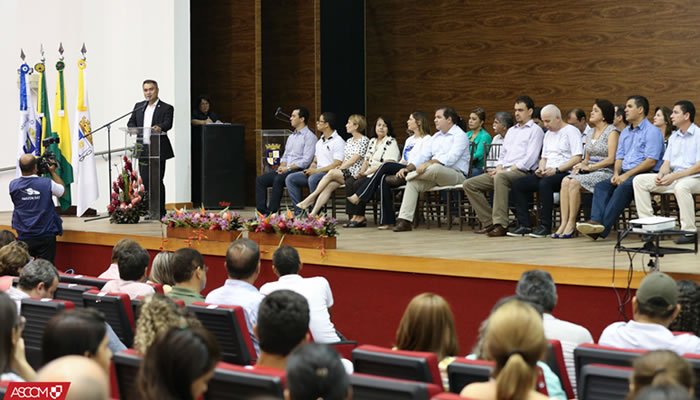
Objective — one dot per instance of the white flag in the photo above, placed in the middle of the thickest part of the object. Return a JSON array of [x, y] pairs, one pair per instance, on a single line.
[[83, 150], [29, 124]]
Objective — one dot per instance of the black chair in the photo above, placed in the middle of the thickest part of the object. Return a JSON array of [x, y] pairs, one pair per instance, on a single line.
[[117, 310], [235, 382], [370, 387], [589, 353], [72, 292], [410, 365], [38, 312], [604, 382], [461, 372], [126, 368], [229, 326], [82, 280]]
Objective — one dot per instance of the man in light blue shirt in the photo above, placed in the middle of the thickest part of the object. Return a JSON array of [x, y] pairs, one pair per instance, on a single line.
[[444, 161], [243, 266], [640, 149], [678, 173]]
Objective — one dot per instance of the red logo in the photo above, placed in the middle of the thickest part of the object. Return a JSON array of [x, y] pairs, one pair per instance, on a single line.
[[224, 203], [37, 390]]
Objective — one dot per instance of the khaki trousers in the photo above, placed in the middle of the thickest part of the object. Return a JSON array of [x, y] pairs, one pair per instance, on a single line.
[[435, 174], [476, 189], [683, 189]]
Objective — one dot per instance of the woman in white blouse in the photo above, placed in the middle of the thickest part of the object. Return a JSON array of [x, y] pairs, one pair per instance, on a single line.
[[355, 149], [392, 174]]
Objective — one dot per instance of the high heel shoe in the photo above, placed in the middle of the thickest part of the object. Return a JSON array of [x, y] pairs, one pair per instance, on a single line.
[[569, 235], [555, 236]]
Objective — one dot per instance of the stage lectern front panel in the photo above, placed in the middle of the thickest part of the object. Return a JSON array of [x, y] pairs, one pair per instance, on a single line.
[[145, 146], [271, 147]]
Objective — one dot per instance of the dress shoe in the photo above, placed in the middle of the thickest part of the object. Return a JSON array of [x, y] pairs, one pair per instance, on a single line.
[[685, 239], [384, 227], [541, 232], [498, 231], [402, 225], [485, 229], [590, 229], [521, 231]]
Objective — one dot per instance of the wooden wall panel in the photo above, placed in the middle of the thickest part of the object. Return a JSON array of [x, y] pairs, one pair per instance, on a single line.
[[468, 54]]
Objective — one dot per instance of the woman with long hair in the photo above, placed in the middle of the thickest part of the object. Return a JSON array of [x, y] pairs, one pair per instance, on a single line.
[[162, 271], [157, 314], [662, 120], [478, 137], [660, 367]]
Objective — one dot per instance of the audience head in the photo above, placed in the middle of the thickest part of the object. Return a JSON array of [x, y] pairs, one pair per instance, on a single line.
[[314, 371], [660, 367], [577, 118], [356, 123], [162, 268], [683, 113], [551, 117], [656, 299], [524, 108], [662, 120], [422, 124], [10, 331], [688, 320], [243, 260], [299, 117], [326, 122], [80, 332], [204, 103], [13, 257], [133, 263], [537, 117], [476, 119], [636, 108], [187, 266], [157, 314], [283, 322], [665, 392], [88, 381], [39, 279], [6, 237], [383, 128], [178, 365], [620, 115], [502, 121], [537, 286], [428, 325], [286, 260], [123, 246], [603, 110]]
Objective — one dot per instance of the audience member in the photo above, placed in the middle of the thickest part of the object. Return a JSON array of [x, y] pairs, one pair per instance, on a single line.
[[660, 367], [678, 173], [329, 153], [88, 381], [162, 271], [428, 325], [123, 246], [561, 150], [688, 320], [189, 274], [382, 149], [13, 362], [283, 323], [640, 149], [478, 138], [445, 161], [537, 286], [297, 156], [597, 166], [577, 118], [243, 267], [502, 121], [38, 279], [662, 120], [393, 174], [665, 392], [620, 120], [178, 365], [286, 264], [81, 332], [315, 371], [203, 114], [654, 306], [518, 157], [346, 173], [6, 237], [13, 257], [537, 118], [133, 264], [157, 314]]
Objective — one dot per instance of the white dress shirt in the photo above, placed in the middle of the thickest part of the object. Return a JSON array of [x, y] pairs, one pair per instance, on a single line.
[[148, 121], [451, 149], [639, 335], [239, 293], [559, 146], [329, 150], [570, 335]]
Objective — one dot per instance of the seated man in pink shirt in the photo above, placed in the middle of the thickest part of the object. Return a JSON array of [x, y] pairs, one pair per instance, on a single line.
[[132, 272], [123, 245]]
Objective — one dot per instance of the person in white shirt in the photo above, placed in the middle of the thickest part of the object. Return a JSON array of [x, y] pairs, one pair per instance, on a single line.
[[123, 245], [444, 162], [243, 267], [537, 286], [655, 306], [132, 274], [38, 279], [286, 264]]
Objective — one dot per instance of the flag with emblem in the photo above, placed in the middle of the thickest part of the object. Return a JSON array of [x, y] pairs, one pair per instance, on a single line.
[[61, 129], [83, 149], [28, 140]]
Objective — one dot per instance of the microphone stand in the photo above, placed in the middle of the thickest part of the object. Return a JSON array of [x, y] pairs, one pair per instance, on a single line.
[[108, 125]]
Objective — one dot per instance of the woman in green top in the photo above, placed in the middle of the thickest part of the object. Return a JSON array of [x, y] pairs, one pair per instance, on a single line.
[[477, 138]]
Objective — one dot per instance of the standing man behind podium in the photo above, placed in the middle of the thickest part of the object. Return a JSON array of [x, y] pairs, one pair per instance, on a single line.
[[298, 153], [158, 116]]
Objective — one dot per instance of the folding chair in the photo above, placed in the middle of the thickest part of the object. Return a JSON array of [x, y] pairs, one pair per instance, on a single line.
[[229, 326], [38, 312]]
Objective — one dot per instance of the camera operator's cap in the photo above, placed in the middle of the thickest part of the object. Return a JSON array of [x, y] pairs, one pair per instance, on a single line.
[[658, 286]]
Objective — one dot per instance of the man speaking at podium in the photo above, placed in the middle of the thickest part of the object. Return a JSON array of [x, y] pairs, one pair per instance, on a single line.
[[158, 116]]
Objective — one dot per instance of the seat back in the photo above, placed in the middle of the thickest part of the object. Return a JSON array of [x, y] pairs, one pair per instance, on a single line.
[[157, 287], [228, 324], [555, 359], [447, 396], [604, 382], [126, 367], [589, 353], [461, 372], [38, 312], [117, 310], [232, 381], [411, 365], [491, 153], [82, 280], [72, 292], [378, 387]]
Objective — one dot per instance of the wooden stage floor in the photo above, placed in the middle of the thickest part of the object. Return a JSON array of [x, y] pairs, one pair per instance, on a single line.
[[577, 261]]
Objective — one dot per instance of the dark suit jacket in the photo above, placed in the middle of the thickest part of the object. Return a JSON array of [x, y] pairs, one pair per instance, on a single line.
[[163, 117]]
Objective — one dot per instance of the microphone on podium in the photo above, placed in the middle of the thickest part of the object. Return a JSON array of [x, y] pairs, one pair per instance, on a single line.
[[279, 114]]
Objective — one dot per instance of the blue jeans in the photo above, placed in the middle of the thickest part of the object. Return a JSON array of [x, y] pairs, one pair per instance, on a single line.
[[296, 181], [609, 201]]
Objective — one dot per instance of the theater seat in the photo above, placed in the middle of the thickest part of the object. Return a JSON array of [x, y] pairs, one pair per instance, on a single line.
[[117, 310], [462, 371], [158, 287], [232, 381], [72, 292], [38, 312], [589, 353], [604, 382], [228, 324], [378, 387], [126, 366], [410, 365], [82, 280], [555, 359]]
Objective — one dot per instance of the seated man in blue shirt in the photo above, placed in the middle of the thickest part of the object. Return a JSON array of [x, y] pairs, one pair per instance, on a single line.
[[297, 156], [640, 149]]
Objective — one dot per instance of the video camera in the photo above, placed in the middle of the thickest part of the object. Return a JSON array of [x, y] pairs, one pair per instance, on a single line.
[[48, 158]]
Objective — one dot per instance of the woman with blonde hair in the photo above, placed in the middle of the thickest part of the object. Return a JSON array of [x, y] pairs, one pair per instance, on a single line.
[[514, 341], [660, 367], [158, 314], [162, 271]]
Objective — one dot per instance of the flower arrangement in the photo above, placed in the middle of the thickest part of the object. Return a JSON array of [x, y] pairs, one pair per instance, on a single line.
[[223, 220], [128, 200], [288, 224]]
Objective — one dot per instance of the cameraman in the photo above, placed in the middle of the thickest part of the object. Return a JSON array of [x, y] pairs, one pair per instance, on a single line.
[[35, 218]]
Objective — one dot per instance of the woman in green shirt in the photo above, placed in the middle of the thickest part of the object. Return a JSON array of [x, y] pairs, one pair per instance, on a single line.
[[477, 138]]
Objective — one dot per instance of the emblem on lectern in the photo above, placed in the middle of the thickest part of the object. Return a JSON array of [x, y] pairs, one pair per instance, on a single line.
[[272, 154]]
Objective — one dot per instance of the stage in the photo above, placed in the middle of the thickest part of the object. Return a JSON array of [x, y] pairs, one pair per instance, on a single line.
[[375, 273]]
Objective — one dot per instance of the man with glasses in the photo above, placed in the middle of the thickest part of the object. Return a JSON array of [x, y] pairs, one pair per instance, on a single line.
[[190, 275], [328, 155]]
